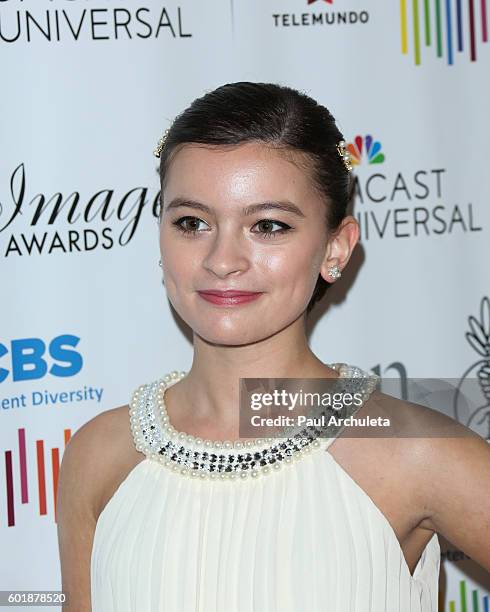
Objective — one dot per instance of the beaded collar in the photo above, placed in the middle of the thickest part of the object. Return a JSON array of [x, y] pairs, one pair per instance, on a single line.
[[154, 435]]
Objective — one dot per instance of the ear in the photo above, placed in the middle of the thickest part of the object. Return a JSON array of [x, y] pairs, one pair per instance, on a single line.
[[340, 246]]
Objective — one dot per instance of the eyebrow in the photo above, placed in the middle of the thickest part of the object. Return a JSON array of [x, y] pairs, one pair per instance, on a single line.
[[284, 205]]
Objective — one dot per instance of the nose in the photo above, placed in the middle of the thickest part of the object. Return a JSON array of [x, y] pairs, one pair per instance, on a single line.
[[227, 255]]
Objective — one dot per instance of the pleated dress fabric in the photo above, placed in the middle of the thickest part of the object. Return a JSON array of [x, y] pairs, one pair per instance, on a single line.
[[306, 538]]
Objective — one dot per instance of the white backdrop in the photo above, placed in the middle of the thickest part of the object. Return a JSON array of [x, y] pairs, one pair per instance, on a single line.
[[88, 87]]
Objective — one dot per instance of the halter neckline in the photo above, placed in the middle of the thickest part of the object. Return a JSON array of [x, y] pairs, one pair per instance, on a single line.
[[156, 437]]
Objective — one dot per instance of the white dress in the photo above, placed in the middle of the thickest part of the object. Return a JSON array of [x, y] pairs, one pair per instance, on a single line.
[[303, 537]]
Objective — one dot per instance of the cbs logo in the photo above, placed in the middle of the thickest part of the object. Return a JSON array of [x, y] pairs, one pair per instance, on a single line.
[[31, 358]]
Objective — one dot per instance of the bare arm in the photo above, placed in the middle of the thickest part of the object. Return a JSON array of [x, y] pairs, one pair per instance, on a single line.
[[76, 520], [457, 490]]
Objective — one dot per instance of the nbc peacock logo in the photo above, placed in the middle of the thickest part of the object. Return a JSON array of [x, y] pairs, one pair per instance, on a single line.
[[365, 147]]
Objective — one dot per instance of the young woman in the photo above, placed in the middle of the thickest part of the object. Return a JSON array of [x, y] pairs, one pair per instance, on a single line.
[[164, 506]]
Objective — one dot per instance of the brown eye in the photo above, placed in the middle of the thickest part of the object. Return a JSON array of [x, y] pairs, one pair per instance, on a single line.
[[193, 222], [268, 223]]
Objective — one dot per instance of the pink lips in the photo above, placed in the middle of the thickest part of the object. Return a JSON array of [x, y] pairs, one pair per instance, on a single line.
[[229, 298]]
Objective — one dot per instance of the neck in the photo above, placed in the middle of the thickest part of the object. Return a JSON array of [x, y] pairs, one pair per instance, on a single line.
[[206, 402]]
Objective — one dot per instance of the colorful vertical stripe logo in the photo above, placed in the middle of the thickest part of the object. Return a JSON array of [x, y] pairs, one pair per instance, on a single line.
[[464, 606], [22, 477], [448, 27]]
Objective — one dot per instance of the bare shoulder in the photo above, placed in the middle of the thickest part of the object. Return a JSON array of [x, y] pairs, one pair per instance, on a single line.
[[421, 436], [97, 454], [412, 420], [398, 462], [96, 459], [386, 458]]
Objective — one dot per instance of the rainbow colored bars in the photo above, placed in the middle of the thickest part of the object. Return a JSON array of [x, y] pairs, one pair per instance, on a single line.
[[463, 23], [463, 604], [41, 475]]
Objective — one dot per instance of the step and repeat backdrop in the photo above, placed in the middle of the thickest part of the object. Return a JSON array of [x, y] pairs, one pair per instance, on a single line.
[[87, 89]]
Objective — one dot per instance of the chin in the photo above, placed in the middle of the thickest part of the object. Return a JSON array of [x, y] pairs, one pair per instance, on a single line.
[[238, 333], [229, 336]]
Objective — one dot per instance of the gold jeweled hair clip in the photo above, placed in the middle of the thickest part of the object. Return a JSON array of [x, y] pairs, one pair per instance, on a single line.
[[344, 154], [161, 143]]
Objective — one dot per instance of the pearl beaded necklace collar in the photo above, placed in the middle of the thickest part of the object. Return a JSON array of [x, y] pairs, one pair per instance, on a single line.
[[197, 458]]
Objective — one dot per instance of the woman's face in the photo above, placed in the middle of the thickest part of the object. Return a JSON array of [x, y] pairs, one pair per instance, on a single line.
[[276, 252]]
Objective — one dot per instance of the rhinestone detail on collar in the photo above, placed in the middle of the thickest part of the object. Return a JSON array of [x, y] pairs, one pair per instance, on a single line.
[[197, 458]]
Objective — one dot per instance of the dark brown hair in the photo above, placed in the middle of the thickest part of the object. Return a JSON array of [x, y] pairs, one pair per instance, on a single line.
[[280, 117]]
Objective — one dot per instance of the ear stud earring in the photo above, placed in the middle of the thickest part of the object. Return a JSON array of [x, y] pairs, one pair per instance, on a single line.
[[334, 272]]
